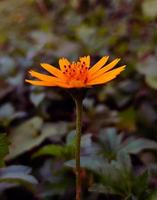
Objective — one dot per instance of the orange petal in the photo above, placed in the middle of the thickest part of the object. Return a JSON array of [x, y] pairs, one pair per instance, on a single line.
[[105, 69], [53, 70], [86, 60], [63, 62], [43, 77], [45, 83], [98, 65], [106, 77], [40, 83]]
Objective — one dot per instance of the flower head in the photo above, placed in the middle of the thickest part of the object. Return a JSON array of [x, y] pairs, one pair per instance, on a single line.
[[77, 74]]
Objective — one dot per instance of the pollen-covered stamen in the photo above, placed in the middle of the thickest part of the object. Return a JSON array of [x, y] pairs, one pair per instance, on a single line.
[[76, 72]]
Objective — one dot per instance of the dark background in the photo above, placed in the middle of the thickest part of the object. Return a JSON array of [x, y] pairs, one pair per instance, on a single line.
[[37, 31]]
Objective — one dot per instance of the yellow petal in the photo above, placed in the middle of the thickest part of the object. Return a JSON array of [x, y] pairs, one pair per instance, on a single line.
[[104, 69], [86, 60], [63, 62], [106, 77], [43, 77], [53, 70], [98, 65]]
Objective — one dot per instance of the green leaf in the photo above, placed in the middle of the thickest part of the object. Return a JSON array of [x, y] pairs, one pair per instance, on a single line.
[[17, 173], [51, 150], [148, 68], [37, 98], [149, 8], [128, 119], [111, 139], [102, 189], [111, 174], [141, 180], [124, 160], [135, 146], [71, 138], [152, 81], [4, 150], [153, 195], [111, 144], [117, 177], [32, 133], [90, 163]]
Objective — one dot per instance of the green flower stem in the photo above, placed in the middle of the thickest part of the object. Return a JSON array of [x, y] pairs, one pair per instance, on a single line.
[[78, 102]]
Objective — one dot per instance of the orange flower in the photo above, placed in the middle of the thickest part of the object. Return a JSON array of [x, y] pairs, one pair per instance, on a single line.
[[77, 74]]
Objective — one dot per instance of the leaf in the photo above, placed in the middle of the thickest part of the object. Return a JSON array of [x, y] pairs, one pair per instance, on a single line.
[[111, 173], [6, 110], [142, 180], [36, 98], [51, 150], [112, 145], [99, 188], [152, 168], [124, 160], [71, 138], [4, 150], [149, 8], [148, 68], [86, 144], [31, 134], [17, 173], [153, 196], [60, 151], [16, 79], [152, 81], [137, 145], [7, 65], [6, 185], [109, 142], [24, 137], [128, 119], [117, 177], [111, 138], [91, 163]]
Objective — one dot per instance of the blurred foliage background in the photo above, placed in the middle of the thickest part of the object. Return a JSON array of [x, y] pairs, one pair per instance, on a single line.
[[119, 139]]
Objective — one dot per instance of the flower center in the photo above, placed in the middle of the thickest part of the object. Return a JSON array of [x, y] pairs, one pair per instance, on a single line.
[[76, 73]]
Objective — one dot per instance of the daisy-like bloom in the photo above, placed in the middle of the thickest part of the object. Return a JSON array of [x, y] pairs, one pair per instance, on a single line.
[[77, 74]]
